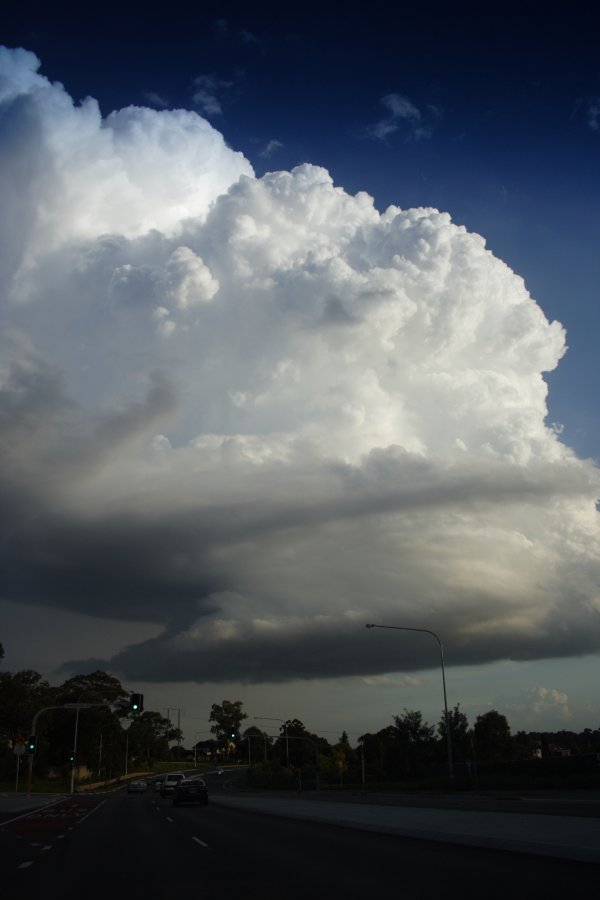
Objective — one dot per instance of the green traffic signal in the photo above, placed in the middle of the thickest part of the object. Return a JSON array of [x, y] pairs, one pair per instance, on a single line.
[[136, 703], [32, 744]]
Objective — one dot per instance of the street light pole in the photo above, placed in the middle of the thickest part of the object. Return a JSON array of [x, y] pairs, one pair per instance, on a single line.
[[433, 634], [362, 761]]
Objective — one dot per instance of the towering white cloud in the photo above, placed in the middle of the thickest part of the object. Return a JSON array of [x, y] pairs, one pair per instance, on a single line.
[[261, 412]]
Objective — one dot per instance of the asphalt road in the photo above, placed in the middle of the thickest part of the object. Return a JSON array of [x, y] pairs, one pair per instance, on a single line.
[[116, 845]]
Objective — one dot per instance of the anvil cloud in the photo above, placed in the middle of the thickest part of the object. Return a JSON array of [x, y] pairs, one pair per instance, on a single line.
[[258, 412]]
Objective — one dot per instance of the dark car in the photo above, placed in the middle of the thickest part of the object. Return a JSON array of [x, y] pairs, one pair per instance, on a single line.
[[192, 790], [136, 787]]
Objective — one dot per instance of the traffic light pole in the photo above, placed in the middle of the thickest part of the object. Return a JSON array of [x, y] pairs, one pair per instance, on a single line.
[[30, 758], [74, 751], [76, 706]]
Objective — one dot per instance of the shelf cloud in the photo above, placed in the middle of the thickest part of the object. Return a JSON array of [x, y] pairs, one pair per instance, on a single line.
[[259, 413]]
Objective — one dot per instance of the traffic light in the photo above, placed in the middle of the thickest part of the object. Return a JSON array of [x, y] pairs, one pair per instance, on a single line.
[[136, 703], [32, 743], [72, 758], [232, 735]]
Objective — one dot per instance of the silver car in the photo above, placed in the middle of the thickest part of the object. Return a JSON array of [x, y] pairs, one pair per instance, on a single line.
[[169, 782]]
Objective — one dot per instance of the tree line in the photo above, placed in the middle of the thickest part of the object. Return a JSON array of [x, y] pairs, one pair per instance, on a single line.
[[407, 750], [107, 732]]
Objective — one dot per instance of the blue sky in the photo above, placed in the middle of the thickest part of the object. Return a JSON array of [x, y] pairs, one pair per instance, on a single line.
[[490, 114]]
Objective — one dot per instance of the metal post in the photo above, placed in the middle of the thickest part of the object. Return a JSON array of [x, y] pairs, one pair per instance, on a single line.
[[74, 751], [287, 743], [433, 634]]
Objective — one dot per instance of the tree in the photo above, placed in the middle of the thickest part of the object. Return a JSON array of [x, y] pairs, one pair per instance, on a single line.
[[344, 741], [258, 743], [227, 718], [491, 736], [149, 736], [414, 746], [21, 696], [411, 727], [343, 757], [100, 737], [97, 687], [459, 733]]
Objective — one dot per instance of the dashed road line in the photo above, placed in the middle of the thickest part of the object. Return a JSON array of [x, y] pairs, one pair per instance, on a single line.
[[168, 819], [198, 841], [48, 847], [25, 865]]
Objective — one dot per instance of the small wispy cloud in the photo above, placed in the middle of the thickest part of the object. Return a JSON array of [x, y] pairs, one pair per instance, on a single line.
[[156, 100], [221, 28], [223, 31], [206, 89], [270, 148], [593, 114], [248, 37], [541, 704], [403, 114]]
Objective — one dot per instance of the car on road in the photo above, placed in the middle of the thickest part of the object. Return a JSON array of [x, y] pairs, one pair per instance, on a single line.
[[170, 782], [158, 786], [136, 787], [190, 790]]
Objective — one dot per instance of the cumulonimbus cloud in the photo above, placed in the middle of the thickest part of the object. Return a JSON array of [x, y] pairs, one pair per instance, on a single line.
[[260, 412]]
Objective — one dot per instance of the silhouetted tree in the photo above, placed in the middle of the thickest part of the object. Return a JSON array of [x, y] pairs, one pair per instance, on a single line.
[[491, 736], [459, 734]]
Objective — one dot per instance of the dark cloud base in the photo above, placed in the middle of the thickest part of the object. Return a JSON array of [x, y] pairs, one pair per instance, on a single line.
[[335, 653]]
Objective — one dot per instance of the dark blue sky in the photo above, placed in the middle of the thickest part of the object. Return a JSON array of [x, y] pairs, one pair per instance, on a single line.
[[502, 126]]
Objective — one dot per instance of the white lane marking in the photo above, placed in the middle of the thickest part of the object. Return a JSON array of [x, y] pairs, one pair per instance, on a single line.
[[90, 812], [25, 865], [169, 820], [32, 811], [60, 836], [48, 847], [35, 845], [198, 841]]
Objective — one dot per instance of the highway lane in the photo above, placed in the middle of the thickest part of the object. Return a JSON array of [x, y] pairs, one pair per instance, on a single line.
[[122, 846]]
